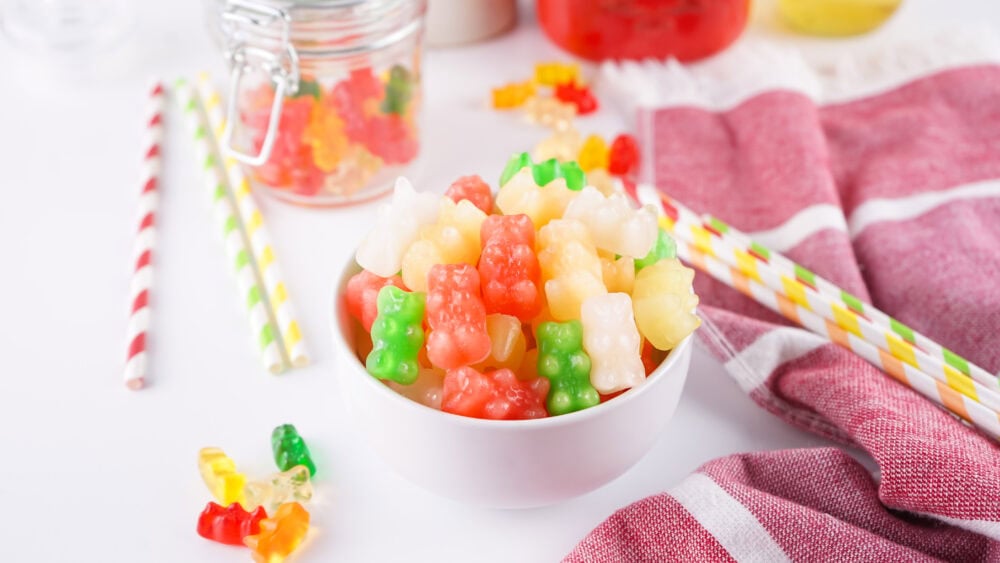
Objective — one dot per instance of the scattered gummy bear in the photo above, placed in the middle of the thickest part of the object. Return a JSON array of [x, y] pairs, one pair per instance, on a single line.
[[279, 488], [512, 95], [219, 473], [549, 112], [290, 449], [579, 96], [593, 155], [456, 316], [623, 158], [229, 524], [553, 73], [563, 362], [397, 335], [280, 535]]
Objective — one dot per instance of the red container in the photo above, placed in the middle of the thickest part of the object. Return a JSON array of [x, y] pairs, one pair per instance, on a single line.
[[635, 29]]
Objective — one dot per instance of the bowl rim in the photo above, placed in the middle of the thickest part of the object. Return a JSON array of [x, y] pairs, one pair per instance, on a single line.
[[338, 309]]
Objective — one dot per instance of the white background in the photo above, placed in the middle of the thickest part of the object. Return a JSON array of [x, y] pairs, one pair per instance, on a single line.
[[90, 471]]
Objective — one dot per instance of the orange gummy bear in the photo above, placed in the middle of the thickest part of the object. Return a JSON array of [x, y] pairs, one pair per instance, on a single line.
[[280, 534], [325, 134]]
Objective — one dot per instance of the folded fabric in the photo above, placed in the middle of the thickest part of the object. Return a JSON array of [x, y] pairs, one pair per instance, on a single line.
[[883, 176]]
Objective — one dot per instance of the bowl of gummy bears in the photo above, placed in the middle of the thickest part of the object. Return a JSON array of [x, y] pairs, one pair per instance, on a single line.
[[517, 348]]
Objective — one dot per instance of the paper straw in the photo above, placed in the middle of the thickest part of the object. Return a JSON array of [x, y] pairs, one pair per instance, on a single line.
[[961, 405], [938, 392], [260, 240], [748, 263], [833, 293], [263, 328], [137, 361]]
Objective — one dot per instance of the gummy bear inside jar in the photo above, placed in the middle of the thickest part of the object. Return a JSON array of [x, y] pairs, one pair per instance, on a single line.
[[339, 139]]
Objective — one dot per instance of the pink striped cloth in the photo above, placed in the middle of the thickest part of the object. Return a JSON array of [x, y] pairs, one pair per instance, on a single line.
[[891, 190]]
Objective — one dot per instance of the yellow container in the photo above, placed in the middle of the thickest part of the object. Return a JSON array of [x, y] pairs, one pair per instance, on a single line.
[[836, 17]]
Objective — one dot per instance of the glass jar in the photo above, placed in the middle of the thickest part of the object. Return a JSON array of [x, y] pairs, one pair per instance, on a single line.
[[324, 95], [637, 29]]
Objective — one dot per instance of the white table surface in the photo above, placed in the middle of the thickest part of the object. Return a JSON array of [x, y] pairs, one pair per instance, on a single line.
[[93, 472]]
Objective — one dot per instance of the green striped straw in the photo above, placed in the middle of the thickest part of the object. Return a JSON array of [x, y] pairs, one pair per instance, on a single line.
[[262, 323], [827, 289]]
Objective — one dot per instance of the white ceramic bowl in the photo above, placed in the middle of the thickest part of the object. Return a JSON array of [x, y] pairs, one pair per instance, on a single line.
[[505, 463]]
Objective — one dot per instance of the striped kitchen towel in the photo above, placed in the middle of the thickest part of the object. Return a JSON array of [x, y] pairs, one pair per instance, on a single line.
[[883, 176]]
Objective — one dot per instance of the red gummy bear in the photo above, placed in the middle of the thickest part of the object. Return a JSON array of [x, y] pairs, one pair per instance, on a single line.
[[362, 295], [348, 108], [456, 317], [474, 189], [231, 524], [363, 84], [497, 395], [579, 96], [391, 139], [509, 267], [623, 157]]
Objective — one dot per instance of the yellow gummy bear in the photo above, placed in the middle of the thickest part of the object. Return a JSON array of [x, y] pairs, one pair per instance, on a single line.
[[508, 343], [512, 95], [619, 275], [219, 473], [664, 303], [325, 134], [553, 73], [453, 239], [541, 203], [571, 268], [562, 145], [593, 154]]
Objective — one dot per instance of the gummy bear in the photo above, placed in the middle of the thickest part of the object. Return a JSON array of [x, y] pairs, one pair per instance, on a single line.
[[521, 194], [624, 156], [571, 267], [619, 275], [392, 139], [563, 362], [593, 154], [362, 293], [397, 335], [552, 73], [290, 449], [398, 91], [664, 303], [280, 534], [279, 488], [512, 95], [507, 343], [603, 181], [563, 145], [396, 227], [496, 395], [663, 249], [549, 112], [474, 189], [613, 224], [508, 267], [349, 109], [453, 239], [456, 316], [545, 172], [426, 390], [229, 524], [325, 134], [308, 87], [219, 473], [579, 96], [612, 341]]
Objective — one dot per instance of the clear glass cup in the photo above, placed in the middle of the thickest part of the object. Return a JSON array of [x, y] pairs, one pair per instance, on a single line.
[[324, 95]]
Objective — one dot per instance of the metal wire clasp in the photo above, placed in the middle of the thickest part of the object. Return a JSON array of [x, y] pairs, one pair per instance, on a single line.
[[249, 47]]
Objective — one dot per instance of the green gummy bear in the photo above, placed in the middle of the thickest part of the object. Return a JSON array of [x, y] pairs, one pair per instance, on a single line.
[[545, 172], [563, 362], [398, 91], [308, 88], [664, 248], [397, 335], [290, 449]]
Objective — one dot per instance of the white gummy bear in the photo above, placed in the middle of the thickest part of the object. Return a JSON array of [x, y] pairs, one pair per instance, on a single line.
[[612, 341], [396, 227], [613, 224]]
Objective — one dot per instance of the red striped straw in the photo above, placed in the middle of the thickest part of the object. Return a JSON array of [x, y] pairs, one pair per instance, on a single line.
[[137, 363]]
